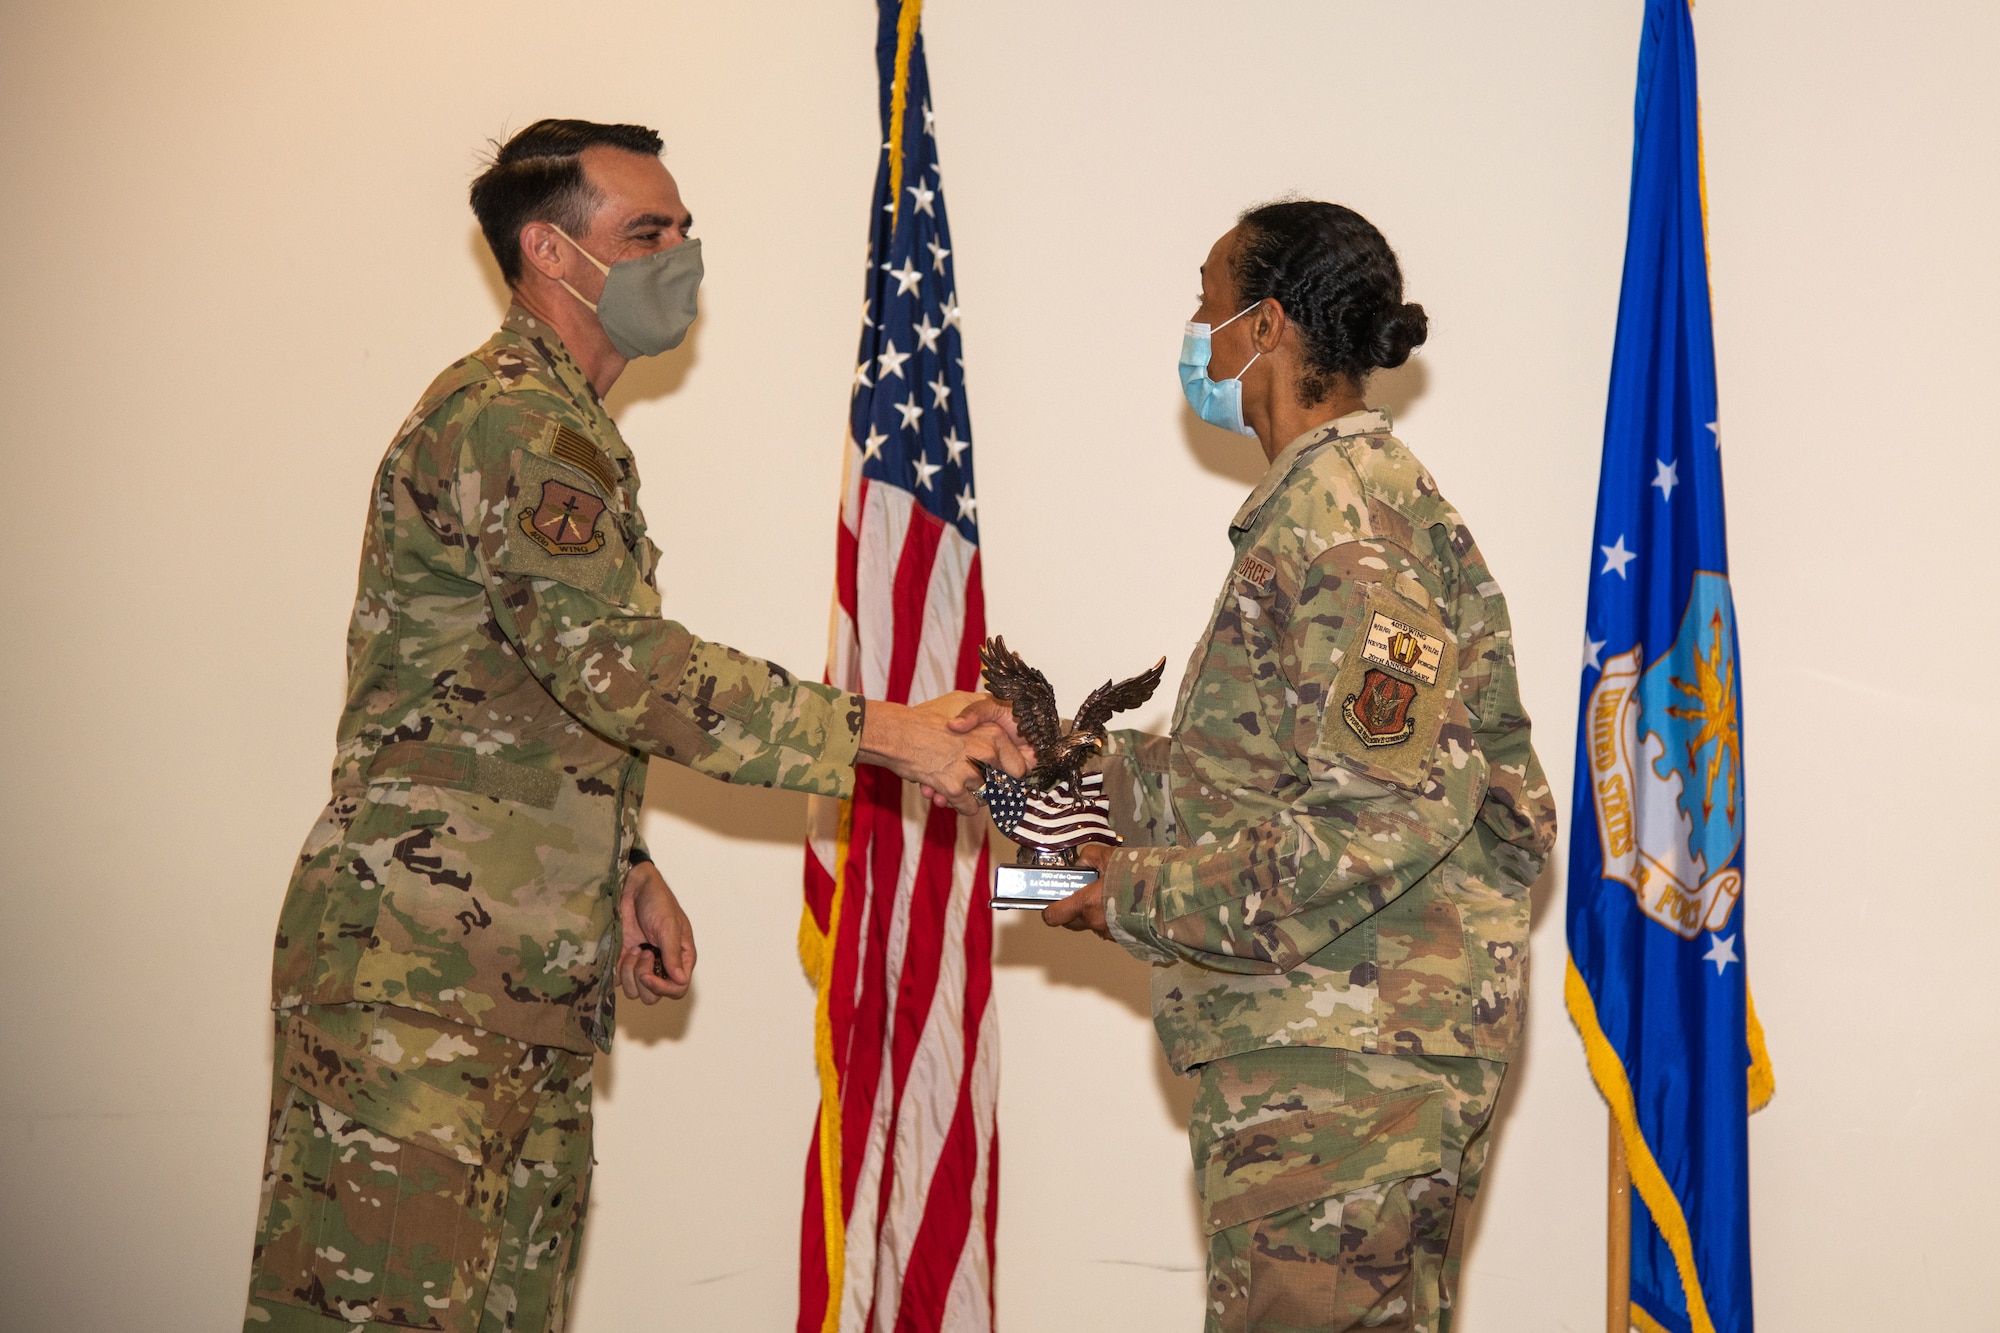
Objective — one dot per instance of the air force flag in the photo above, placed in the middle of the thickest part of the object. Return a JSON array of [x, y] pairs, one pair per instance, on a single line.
[[1657, 930]]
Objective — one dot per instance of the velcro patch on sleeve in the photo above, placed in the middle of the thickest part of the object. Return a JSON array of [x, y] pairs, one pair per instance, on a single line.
[[1391, 693], [575, 449], [563, 520], [1403, 646], [1255, 571]]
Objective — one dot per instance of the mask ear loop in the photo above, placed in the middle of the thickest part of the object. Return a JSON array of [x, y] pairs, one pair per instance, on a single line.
[[605, 269], [1238, 376], [1223, 325]]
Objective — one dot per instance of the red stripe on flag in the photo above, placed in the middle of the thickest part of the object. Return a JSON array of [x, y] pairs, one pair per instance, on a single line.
[[975, 626], [910, 597], [948, 1202], [846, 562], [812, 1245]]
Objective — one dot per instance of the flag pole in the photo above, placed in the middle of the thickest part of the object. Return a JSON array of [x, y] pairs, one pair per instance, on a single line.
[[1618, 1239]]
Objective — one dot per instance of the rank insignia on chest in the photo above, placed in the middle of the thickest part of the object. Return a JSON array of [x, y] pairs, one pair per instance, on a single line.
[[565, 521], [1380, 713]]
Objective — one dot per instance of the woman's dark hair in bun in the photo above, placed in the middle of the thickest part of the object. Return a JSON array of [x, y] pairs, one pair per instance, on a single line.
[[1337, 280]]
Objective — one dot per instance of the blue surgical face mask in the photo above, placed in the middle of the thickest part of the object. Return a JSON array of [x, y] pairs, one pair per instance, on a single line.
[[1219, 404]]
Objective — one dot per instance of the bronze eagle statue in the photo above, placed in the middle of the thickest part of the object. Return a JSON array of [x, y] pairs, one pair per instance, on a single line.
[[1059, 757]]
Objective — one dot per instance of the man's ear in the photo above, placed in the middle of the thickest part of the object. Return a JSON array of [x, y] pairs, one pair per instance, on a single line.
[[1267, 326], [542, 250]]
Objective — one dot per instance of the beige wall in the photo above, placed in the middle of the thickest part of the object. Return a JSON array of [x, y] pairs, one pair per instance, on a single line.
[[236, 249]]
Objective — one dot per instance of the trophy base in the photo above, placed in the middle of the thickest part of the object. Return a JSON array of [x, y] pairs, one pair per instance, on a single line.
[[1035, 887]]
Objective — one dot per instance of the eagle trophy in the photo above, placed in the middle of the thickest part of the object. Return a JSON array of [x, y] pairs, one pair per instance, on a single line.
[[1059, 757]]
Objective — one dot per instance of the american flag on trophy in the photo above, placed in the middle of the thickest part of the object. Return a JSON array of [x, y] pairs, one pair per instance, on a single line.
[[1066, 815]]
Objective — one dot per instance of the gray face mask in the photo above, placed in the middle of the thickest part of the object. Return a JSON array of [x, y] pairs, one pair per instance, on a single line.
[[647, 303]]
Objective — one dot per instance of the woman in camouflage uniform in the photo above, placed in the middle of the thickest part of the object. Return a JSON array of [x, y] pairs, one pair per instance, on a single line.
[[1328, 858]]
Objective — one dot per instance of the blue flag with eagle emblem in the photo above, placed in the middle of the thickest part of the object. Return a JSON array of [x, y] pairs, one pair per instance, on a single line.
[[1656, 920]]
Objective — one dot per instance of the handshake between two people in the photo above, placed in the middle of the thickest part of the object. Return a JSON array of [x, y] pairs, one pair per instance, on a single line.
[[945, 746]]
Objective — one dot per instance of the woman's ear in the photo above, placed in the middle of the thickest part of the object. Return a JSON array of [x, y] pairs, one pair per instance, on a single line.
[[1267, 326]]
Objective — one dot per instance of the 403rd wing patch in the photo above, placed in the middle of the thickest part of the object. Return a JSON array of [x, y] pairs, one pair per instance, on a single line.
[[1395, 643], [1391, 693], [564, 521]]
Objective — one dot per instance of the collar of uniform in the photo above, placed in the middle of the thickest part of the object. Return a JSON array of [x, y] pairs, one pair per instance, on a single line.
[[1354, 423], [541, 333]]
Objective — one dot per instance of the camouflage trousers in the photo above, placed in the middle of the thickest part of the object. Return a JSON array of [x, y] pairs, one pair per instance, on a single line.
[[1331, 1185], [421, 1174]]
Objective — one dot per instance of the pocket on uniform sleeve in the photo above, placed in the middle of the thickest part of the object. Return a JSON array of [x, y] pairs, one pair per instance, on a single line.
[[1389, 698], [1310, 1155]]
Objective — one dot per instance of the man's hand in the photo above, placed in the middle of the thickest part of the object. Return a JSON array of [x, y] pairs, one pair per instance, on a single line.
[[984, 710], [1084, 909], [920, 745], [649, 914]]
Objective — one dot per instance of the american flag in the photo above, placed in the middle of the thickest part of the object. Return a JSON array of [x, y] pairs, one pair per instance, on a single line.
[[1066, 815], [900, 1189]]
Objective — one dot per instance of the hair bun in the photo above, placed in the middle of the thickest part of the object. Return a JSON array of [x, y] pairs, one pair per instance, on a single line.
[[1402, 330]]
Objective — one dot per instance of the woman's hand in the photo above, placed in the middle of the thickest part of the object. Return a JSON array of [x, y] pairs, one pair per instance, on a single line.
[[656, 959], [1084, 909]]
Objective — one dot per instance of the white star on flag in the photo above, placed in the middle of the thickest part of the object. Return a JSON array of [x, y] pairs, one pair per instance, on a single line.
[[951, 311], [1721, 952], [872, 448], [938, 252], [891, 361], [955, 446], [927, 333], [930, 120], [940, 391], [912, 414], [1666, 476], [907, 277], [923, 195], [925, 471], [1616, 557], [967, 506], [1591, 647], [861, 380]]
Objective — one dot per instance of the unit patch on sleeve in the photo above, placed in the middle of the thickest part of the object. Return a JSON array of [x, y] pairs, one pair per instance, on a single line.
[[565, 521], [1404, 647], [1380, 713]]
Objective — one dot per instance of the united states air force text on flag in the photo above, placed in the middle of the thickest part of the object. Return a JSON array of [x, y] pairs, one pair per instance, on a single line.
[[1656, 919], [900, 1205]]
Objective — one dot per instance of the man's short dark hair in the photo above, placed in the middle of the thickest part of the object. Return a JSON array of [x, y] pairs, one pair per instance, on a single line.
[[537, 176]]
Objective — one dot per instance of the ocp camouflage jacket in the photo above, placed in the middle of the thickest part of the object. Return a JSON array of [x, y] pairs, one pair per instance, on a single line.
[[1334, 846], [508, 674]]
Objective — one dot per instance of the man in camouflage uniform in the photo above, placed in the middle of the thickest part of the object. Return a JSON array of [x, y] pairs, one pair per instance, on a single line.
[[443, 955], [1328, 860]]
